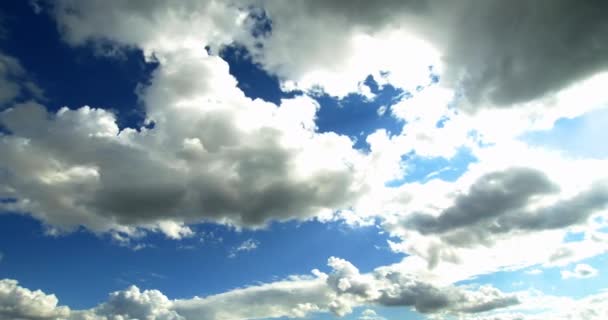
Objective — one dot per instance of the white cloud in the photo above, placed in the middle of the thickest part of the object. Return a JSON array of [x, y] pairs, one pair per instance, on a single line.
[[581, 271], [486, 242], [207, 158], [369, 314], [154, 26], [17, 302], [247, 245]]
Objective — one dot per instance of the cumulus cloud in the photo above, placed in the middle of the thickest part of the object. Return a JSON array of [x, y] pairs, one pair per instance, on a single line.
[[391, 287], [154, 26], [580, 271], [20, 303], [213, 155], [369, 314], [498, 54], [132, 303]]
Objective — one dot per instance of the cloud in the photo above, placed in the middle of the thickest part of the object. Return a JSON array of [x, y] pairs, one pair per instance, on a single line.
[[213, 155], [490, 210], [339, 44], [499, 54], [581, 271], [154, 26], [294, 297], [511, 210], [496, 203], [247, 245], [391, 287], [132, 303], [369, 314], [492, 195], [17, 302], [290, 298], [15, 82], [506, 54], [534, 272], [539, 306]]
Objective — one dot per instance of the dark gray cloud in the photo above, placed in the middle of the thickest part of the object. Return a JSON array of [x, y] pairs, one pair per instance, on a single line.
[[497, 203], [564, 213], [505, 53], [492, 195]]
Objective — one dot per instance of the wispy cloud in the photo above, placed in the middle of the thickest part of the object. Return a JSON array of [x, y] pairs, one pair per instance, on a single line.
[[247, 245]]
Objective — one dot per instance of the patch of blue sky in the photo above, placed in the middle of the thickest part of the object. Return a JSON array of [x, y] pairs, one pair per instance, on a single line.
[[252, 79], [574, 237], [355, 115], [358, 116], [550, 281], [583, 136], [181, 269], [78, 76], [422, 169]]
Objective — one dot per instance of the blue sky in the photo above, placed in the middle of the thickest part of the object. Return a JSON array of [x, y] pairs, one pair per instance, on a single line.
[[315, 160]]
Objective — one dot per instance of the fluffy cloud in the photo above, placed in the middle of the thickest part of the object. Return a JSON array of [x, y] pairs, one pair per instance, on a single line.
[[340, 43], [369, 314], [498, 54], [155, 26], [18, 303], [213, 155], [132, 304], [394, 288]]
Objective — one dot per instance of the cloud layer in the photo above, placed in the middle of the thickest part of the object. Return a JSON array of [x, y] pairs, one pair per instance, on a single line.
[[208, 153], [297, 296]]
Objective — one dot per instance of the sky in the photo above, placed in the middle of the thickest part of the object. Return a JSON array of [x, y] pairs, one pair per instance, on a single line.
[[266, 159]]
